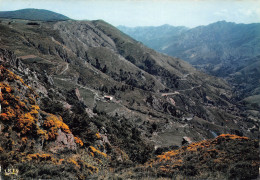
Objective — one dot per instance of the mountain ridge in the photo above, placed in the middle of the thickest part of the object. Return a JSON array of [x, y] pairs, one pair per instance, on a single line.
[[34, 15]]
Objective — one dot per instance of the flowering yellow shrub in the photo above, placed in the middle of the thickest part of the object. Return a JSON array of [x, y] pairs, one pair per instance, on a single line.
[[5, 103], [10, 112], [98, 135], [34, 109], [91, 168], [26, 122], [60, 161], [32, 100], [43, 134], [72, 161], [97, 152], [167, 155], [5, 88], [41, 157], [8, 89], [206, 150], [53, 124], [196, 145], [231, 136], [10, 76], [25, 113], [78, 141], [25, 117], [24, 140], [4, 116], [21, 104]]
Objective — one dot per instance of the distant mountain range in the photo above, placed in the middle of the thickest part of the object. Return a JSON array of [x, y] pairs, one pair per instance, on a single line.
[[221, 49], [34, 15], [155, 37]]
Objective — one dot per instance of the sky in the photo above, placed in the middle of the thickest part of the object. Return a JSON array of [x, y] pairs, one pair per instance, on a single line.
[[190, 13]]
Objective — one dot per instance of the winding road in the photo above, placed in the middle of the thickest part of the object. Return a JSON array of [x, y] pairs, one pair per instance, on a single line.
[[64, 70], [178, 92]]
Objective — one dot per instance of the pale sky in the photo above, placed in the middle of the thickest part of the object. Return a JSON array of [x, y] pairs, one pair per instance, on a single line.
[[132, 13]]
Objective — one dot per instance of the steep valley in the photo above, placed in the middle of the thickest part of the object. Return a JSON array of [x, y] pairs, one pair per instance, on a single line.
[[223, 49], [87, 97]]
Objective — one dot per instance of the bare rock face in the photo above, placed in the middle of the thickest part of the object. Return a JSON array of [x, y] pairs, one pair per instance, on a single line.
[[85, 35], [7, 56], [63, 142], [186, 140], [78, 94], [155, 103]]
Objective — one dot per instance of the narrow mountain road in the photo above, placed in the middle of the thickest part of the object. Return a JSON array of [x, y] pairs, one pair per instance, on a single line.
[[168, 94], [179, 91], [184, 77], [64, 70], [93, 91], [83, 87], [189, 89]]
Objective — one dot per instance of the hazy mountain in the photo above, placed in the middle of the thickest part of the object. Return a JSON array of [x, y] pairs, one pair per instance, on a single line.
[[221, 49], [155, 37], [34, 15], [81, 99]]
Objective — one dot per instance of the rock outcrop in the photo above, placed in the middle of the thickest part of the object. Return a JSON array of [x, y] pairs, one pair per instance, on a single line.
[[63, 142]]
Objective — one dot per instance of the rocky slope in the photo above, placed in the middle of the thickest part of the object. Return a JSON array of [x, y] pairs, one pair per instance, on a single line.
[[45, 138], [225, 157], [100, 100]]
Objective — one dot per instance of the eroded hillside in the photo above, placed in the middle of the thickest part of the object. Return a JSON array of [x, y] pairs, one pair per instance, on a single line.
[[84, 95]]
